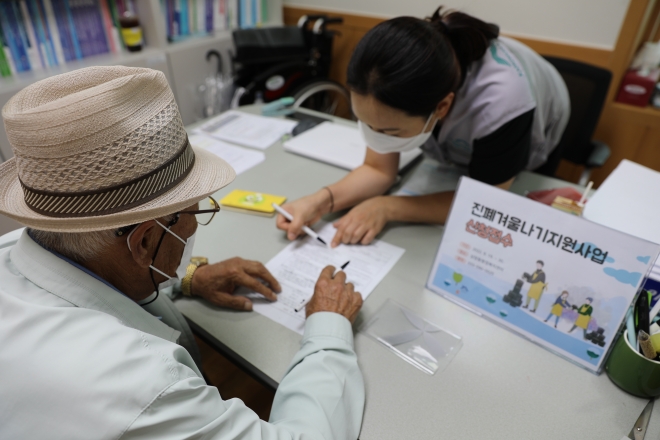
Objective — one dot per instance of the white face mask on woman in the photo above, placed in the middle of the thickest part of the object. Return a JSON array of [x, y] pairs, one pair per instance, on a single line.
[[384, 143]]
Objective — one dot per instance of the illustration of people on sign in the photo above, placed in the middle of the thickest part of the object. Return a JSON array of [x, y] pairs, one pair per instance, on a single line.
[[558, 307], [584, 316], [537, 279]]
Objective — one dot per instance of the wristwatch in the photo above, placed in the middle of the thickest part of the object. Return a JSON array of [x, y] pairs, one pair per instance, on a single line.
[[186, 282]]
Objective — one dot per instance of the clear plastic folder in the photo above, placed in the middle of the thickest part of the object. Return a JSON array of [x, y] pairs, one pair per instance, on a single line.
[[413, 338]]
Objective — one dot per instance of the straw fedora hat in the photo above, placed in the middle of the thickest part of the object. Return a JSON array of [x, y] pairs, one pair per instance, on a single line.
[[100, 148]]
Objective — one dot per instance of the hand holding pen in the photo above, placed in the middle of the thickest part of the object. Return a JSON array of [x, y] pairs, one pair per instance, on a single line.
[[335, 274], [306, 229], [333, 294]]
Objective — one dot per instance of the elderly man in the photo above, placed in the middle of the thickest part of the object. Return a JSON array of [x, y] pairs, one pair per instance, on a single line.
[[91, 348]]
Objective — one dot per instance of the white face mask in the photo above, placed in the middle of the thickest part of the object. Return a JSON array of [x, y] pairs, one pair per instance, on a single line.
[[384, 143], [185, 258]]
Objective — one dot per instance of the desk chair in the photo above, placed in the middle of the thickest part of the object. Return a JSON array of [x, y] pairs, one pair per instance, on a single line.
[[587, 87]]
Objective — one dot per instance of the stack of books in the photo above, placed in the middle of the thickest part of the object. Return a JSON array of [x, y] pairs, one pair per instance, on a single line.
[[186, 18], [39, 34]]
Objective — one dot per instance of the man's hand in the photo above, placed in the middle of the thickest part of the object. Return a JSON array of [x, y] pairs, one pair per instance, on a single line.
[[334, 295], [217, 282], [362, 223]]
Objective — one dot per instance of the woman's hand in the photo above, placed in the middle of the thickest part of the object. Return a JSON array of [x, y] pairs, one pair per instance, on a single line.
[[363, 222], [305, 211]]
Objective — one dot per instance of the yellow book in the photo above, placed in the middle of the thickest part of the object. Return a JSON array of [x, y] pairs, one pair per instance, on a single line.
[[251, 202]]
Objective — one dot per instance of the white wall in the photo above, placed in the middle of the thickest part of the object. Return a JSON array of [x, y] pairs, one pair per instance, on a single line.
[[583, 22]]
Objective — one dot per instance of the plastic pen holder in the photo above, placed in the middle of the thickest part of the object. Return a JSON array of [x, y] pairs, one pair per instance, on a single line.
[[632, 371]]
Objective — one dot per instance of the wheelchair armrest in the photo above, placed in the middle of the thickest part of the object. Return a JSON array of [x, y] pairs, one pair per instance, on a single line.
[[599, 155]]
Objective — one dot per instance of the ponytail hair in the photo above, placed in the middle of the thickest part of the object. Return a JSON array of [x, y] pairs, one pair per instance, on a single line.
[[412, 64], [468, 36]]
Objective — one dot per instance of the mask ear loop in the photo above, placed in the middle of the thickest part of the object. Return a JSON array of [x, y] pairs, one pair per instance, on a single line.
[[427, 123], [167, 229], [151, 269]]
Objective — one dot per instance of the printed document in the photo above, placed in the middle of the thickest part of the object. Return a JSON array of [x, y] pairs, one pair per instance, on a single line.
[[299, 265], [248, 130], [241, 159]]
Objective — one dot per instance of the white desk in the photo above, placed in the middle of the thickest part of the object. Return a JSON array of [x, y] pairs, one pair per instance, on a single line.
[[499, 386]]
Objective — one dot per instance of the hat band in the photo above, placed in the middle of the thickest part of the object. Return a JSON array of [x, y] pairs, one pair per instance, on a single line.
[[115, 198]]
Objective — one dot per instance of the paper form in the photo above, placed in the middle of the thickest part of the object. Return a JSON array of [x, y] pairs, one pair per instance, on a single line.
[[299, 265], [240, 159], [245, 129]]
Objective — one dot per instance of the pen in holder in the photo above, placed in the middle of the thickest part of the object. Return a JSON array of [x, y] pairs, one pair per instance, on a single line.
[[631, 371]]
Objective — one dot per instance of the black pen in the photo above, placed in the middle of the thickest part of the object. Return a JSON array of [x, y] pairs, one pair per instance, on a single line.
[[643, 312], [304, 303]]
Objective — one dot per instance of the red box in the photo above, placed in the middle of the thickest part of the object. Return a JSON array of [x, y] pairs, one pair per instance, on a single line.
[[636, 89]]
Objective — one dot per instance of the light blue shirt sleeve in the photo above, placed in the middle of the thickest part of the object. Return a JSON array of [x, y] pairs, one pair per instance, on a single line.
[[320, 397], [323, 390]]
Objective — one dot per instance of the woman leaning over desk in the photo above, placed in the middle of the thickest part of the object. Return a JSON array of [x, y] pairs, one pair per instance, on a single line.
[[453, 86]]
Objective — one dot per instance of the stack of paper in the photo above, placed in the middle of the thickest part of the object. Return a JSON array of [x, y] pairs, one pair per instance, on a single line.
[[245, 129], [239, 158], [337, 145], [629, 202]]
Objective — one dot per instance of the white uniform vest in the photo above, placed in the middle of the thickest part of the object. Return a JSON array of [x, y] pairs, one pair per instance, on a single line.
[[509, 80]]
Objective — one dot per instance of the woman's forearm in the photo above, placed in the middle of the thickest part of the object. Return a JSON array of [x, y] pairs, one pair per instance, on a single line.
[[359, 185], [373, 178]]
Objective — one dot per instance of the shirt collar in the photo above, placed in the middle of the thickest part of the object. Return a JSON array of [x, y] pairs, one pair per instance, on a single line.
[[81, 288], [73, 263]]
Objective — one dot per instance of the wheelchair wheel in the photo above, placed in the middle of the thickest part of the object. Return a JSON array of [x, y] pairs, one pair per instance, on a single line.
[[324, 96]]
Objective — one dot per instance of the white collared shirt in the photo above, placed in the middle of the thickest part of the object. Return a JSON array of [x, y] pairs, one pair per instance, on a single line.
[[79, 361]]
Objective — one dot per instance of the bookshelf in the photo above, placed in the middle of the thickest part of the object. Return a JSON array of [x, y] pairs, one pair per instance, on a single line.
[[183, 61], [148, 55]]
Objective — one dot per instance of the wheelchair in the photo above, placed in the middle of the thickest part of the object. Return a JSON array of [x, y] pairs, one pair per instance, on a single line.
[[289, 61]]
